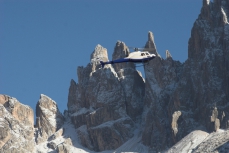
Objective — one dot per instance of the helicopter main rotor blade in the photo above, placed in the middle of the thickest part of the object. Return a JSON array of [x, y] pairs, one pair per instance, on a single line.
[[141, 49], [148, 49]]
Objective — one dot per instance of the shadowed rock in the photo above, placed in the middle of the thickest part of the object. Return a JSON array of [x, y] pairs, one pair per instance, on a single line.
[[131, 81], [193, 88]]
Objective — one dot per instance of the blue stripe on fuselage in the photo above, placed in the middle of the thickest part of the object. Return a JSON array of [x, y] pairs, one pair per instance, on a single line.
[[117, 61], [141, 60]]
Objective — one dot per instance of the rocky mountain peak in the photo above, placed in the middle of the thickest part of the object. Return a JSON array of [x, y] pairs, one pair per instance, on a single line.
[[16, 126], [150, 36], [208, 58], [210, 30], [168, 55], [121, 51], [206, 2], [99, 54], [25, 115], [131, 81], [215, 11], [107, 100], [49, 119], [150, 44]]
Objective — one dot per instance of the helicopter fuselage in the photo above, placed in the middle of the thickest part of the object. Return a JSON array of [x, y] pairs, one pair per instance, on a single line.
[[135, 57]]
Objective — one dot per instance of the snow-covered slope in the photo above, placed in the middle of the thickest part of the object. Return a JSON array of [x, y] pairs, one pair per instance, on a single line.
[[189, 142], [133, 145]]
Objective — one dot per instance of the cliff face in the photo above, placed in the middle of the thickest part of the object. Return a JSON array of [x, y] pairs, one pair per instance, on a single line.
[[48, 119]]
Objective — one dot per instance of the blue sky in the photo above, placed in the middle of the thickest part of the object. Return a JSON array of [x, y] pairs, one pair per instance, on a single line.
[[43, 42]]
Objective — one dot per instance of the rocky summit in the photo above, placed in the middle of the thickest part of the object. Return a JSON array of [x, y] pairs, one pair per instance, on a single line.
[[178, 107]]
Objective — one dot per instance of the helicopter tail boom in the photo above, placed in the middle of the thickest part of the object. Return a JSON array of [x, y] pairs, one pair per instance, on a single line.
[[102, 63]]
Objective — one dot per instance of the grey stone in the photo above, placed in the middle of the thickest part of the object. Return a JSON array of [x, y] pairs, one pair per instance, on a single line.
[[63, 148], [57, 134], [49, 118], [52, 145]]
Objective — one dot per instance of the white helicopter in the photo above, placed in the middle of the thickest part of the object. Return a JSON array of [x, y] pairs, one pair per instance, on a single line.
[[135, 57]]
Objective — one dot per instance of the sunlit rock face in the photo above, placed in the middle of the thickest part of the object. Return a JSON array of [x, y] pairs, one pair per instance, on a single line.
[[99, 54], [49, 119], [16, 130]]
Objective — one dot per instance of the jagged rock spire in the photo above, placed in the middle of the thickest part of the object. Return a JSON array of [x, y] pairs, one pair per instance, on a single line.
[[99, 54], [206, 2], [49, 115], [121, 51], [220, 7], [214, 15], [168, 55], [151, 44], [150, 36]]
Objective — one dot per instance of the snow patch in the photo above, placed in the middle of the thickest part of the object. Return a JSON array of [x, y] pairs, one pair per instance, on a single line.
[[51, 117], [189, 142], [82, 111], [224, 15], [44, 96]]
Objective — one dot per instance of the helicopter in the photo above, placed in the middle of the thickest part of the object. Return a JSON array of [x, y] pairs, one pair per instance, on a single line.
[[134, 57]]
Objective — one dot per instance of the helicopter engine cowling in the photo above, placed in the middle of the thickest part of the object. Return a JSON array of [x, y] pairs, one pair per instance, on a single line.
[[127, 54]]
